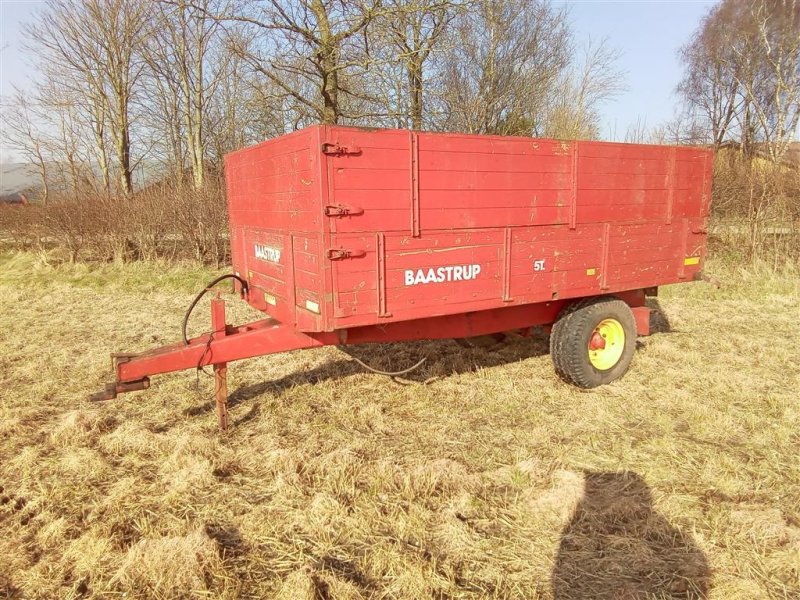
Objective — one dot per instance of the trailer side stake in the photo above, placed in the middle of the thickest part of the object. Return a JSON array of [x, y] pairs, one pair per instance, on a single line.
[[221, 394], [219, 327]]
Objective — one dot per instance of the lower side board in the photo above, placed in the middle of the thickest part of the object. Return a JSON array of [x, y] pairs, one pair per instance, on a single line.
[[269, 336]]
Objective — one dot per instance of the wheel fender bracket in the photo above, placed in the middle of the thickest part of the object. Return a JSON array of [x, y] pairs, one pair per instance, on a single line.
[[641, 314]]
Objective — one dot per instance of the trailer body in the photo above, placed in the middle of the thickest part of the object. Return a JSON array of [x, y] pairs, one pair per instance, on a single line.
[[348, 236], [335, 228]]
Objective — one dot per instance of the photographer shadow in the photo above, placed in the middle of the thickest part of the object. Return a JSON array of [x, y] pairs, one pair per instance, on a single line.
[[618, 547]]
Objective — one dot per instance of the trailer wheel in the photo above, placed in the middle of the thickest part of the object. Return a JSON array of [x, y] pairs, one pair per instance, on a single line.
[[593, 341]]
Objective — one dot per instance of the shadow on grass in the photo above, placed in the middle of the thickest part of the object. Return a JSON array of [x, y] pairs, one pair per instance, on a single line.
[[659, 321], [228, 538], [616, 546], [444, 357]]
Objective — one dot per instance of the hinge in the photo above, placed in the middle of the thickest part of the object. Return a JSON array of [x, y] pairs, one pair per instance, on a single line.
[[342, 210], [337, 149], [342, 253]]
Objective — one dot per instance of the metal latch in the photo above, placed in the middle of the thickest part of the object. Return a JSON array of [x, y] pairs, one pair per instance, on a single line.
[[342, 253], [342, 210], [337, 149]]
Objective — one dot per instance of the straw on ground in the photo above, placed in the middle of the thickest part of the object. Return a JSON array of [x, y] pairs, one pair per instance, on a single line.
[[493, 480]]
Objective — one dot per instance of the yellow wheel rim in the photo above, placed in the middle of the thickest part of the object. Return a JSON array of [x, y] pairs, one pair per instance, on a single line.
[[606, 344]]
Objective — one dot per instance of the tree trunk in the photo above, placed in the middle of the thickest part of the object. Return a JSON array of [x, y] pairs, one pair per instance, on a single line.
[[123, 144], [198, 169], [327, 56], [43, 174], [102, 157], [415, 93]]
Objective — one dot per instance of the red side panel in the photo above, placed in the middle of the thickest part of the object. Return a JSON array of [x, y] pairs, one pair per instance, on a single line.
[[275, 213], [467, 268], [339, 227], [458, 181], [438, 224], [478, 182], [309, 297]]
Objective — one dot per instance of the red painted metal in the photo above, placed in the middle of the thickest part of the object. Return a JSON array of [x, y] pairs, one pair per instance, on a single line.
[[599, 217], [350, 235], [597, 342], [219, 330], [245, 341], [641, 314]]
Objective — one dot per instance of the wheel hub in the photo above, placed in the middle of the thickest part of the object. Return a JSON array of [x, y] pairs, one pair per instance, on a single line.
[[606, 344], [597, 342]]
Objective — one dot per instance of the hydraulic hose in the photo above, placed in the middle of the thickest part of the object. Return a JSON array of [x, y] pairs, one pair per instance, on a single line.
[[202, 293]]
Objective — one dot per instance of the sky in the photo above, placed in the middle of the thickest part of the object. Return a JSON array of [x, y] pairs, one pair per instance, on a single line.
[[646, 33], [648, 36]]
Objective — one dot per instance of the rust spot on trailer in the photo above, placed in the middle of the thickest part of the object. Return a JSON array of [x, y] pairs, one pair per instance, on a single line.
[[561, 149], [438, 250]]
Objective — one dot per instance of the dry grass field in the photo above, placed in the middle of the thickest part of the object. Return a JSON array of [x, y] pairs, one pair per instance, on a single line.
[[491, 480]]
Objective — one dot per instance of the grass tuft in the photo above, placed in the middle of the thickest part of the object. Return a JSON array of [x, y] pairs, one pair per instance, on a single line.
[[169, 567]]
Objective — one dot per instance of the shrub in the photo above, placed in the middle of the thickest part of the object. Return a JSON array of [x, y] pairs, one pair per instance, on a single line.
[[164, 221]]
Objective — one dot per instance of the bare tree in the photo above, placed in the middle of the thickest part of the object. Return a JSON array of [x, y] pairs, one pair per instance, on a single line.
[[179, 54], [92, 46], [711, 83], [247, 107], [774, 46], [415, 28], [499, 81], [161, 115], [22, 122], [743, 74], [311, 51], [574, 108]]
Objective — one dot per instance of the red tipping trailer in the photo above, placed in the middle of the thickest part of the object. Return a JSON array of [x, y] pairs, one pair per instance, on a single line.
[[349, 236]]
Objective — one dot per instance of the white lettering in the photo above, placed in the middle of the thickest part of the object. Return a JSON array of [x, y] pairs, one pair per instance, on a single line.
[[268, 253], [441, 274]]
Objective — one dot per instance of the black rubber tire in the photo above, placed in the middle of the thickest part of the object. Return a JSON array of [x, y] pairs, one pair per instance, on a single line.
[[569, 340]]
